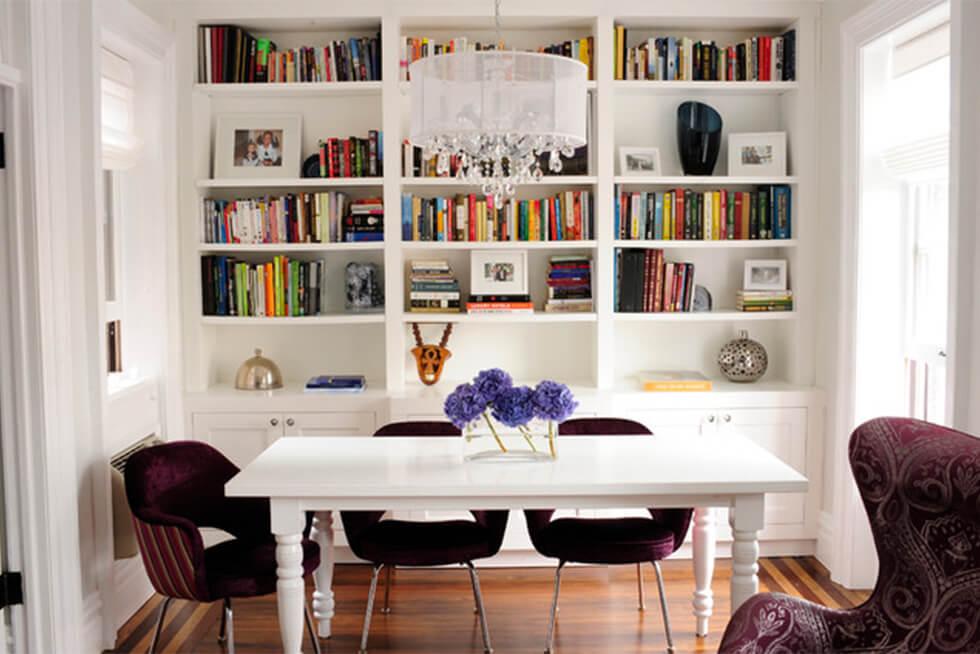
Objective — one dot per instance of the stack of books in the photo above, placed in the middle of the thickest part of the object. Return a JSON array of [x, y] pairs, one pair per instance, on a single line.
[[764, 300], [434, 289], [500, 304], [353, 156], [365, 222], [569, 284], [673, 381], [646, 282]]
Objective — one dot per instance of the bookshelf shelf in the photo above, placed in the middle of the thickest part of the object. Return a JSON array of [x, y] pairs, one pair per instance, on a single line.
[[708, 245], [536, 317], [701, 180], [497, 245], [706, 316], [329, 319], [686, 88], [293, 182], [276, 248], [289, 89]]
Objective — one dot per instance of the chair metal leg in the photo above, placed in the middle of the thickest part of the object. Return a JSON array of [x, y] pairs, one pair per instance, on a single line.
[[549, 646], [386, 609], [663, 607], [229, 620], [311, 629], [221, 630], [639, 587], [478, 597], [160, 616], [370, 608]]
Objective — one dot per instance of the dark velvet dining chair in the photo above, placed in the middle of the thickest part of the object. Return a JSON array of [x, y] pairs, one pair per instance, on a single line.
[[608, 541], [387, 543], [920, 484], [173, 490]]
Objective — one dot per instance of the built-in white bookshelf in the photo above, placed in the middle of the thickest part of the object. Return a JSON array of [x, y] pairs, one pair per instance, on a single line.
[[604, 349]]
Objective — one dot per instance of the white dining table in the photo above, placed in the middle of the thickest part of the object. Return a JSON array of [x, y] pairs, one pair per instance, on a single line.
[[327, 474]]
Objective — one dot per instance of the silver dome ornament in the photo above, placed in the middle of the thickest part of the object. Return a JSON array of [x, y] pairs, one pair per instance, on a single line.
[[743, 360], [258, 374]]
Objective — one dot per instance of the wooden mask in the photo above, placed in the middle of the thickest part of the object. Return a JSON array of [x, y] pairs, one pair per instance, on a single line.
[[430, 360]]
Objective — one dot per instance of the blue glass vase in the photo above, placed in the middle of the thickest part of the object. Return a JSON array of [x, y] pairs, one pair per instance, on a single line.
[[698, 137]]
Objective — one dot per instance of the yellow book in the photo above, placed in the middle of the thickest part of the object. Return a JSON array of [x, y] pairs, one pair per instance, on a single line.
[[619, 43], [416, 210], [670, 381], [707, 223], [668, 217], [716, 214]]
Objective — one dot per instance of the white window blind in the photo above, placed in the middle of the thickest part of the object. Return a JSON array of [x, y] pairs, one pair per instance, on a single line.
[[119, 143]]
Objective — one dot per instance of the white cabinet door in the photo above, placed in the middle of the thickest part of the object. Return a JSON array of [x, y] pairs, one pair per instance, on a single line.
[[783, 432], [675, 422], [331, 423], [239, 436]]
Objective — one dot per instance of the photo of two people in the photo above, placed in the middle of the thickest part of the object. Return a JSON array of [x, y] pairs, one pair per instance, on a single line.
[[258, 147]]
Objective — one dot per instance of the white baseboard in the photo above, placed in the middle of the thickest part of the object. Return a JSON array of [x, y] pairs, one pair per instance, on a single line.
[[131, 589], [825, 542], [91, 636]]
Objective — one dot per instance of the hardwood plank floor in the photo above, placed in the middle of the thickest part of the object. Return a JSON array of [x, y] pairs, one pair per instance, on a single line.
[[432, 611]]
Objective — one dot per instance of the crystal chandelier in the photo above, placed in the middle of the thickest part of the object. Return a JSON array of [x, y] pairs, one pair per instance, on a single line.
[[494, 113]]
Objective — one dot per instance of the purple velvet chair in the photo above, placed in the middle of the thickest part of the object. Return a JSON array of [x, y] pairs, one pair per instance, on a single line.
[[390, 543], [178, 487], [921, 488], [608, 541]]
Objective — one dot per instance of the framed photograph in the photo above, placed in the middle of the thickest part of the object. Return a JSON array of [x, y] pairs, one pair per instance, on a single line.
[[765, 275], [257, 145], [639, 161], [761, 154], [498, 272]]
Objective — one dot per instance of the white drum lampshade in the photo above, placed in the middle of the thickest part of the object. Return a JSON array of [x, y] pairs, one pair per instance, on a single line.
[[496, 112]]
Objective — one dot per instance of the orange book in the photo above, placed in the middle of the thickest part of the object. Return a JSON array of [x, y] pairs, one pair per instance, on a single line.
[[674, 381], [270, 294]]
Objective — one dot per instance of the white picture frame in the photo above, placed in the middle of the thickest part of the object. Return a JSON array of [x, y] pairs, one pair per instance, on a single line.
[[498, 272], [765, 275], [757, 154], [639, 161], [258, 146]]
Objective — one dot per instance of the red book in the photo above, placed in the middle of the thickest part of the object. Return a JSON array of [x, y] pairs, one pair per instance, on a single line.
[[658, 282], [346, 167], [738, 215], [577, 231], [766, 50], [471, 202], [678, 287], [679, 221], [723, 220], [323, 159], [450, 219]]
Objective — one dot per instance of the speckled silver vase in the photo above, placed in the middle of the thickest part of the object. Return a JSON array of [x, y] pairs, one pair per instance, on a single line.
[[743, 360]]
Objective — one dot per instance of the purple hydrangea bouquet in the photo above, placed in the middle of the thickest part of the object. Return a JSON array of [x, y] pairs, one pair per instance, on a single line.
[[492, 395]]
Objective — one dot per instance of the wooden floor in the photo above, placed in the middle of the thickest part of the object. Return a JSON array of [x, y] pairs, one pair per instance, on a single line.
[[432, 611]]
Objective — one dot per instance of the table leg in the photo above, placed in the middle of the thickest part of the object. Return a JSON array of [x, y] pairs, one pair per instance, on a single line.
[[704, 568], [287, 525], [323, 602], [746, 520]]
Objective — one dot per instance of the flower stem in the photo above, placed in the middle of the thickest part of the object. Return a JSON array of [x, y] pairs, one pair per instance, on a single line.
[[551, 439], [527, 436], [493, 430]]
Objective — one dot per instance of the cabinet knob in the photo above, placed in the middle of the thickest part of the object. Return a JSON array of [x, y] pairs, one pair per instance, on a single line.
[[290, 422], [711, 418], [274, 422], [726, 418]]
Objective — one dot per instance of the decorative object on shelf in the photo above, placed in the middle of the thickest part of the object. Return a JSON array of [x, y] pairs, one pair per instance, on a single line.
[[430, 360], [336, 384], [765, 275], [761, 154], [365, 289], [311, 166], [639, 161], [492, 396], [498, 272], [743, 360], [257, 145], [698, 137], [702, 299], [258, 373], [496, 112]]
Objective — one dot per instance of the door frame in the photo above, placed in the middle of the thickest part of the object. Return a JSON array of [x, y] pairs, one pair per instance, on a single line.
[[854, 561]]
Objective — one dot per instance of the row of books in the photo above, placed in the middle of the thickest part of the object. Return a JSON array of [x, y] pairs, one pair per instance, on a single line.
[[353, 156], [414, 48], [323, 217], [569, 284], [646, 282], [433, 287], [764, 300], [694, 214], [366, 221], [281, 287], [229, 54], [760, 58], [566, 216], [416, 165]]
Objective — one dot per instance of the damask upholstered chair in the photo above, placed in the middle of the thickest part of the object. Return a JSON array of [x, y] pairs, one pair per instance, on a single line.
[[608, 541], [921, 488], [388, 543], [178, 487]]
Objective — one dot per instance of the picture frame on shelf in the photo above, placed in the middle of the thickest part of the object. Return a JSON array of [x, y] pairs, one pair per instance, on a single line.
[[498, 272], [765, 275], [639, 161], [757, 154], [259, 146]]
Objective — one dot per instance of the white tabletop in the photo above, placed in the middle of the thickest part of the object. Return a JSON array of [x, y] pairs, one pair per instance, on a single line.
[[620, 471]]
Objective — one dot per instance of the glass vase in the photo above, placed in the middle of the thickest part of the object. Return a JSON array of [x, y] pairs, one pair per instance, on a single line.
[[488, 442]]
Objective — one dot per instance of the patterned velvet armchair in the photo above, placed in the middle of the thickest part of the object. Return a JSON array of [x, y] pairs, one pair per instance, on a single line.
[[921, 488]]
